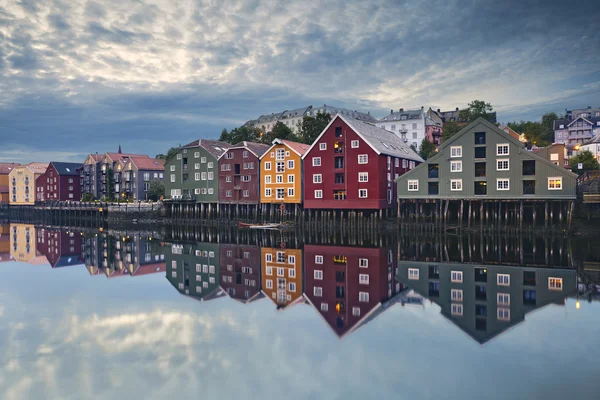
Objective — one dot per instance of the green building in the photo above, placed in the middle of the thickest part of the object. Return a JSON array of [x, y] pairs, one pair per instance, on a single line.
[[192, 174], [486, 300], [482, 162], [193, 269]]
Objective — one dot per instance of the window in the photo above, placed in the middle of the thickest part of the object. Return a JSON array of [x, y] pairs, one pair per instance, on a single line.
[[290, 178], [363, 297], [324, 307], [502, 184], [322, 146], [179, 156], [362, 193], [503, 279], [363, 279], [561, 126], [397, 162], [172, 177], [317, 291], [246, 193], [555, 283], [280, 166], [433, 171], [456, 295], [404, 163], [363, 177], [555, 183], [457, 309], [280, 194], [413, 185], [267, 178], [280, 272], [197, 166], [228, 179], [413, 274], [480, 152], [411, 164], [456, 276], [479, 137], [338, 132], [433, 188], [455, 151], [292, 287], [290, 164], [268, 166], [480, 188], [210, 164], [318, 275], [269, 284], [318, 259], [228, 193], [502, 165], [502, 149], [356, 311], [503, 299], [529, 167], [280, 154], [317, 178], [316, 161], [211, 176], [290, 191], [363, 158], [503, 314], [279, 178], [455, 166], [245, 178], [172, 168], [354, 144], [318, 194], [197, 176]]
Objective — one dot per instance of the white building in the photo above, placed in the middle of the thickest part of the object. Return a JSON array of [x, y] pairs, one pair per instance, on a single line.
[[408, 125], [593, 146], [293, 118]]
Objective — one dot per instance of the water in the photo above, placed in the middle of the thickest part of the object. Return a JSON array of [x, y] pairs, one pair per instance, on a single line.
[[89, 314]]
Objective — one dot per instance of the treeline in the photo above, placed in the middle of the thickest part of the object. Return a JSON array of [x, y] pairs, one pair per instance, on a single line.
[[537, 133]]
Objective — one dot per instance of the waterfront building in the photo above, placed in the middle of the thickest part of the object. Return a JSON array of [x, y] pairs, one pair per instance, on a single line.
[[578, 130], [239, 173], [482, 162], [111, 172], [185, 170], [353, 164], [281, 172], [5, 170], [240, 272], [23, 244], [90, 175], [59, 182], [137, 174], [293, 118], [281, 276], [5, 255], [61, 248], [22, 182], [350, 286]]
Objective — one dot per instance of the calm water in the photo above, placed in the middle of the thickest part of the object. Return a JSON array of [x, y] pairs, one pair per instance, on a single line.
[[207, 314]]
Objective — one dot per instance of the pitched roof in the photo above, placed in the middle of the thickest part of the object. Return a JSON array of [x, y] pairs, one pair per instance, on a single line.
[[380, 140], [120, 156], [406, 114], [37, 167], [5, 168], [298, 148], [258, 149], [148, 164], [214, 147], [510, 131], [4, 189], [66, 169]]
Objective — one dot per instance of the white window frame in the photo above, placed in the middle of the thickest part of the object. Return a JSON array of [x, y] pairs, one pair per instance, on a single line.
[[267, 179], [456, 295], [268, 192], [413, 185], [503, 299], [317, 291], [363, 158], [502, 180], [456, 185], [290, 164], [500, 146], [317, 178], [456, 309], [322, 146], [456, 163], [316, 161], [458, 278], [318, 194], [500, 281], [502, 161], [290, 192], [324, 307], [413, 274], [269, 271], [318, 274], [267, 165], [319, 260], [456, 151], [363, 193], [363, 279], [503, 314], [363, 177], [354, 144], [552, 283], [291, 178], [556, 179], [363, 297], [269, 284], [363, 263]]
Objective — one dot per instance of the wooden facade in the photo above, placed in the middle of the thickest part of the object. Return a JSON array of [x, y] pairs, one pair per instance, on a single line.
[[281, 173], [61, 248], [5, 169], [23, 183], [240, 271], [60, 182], [281, 276], [239, 173]]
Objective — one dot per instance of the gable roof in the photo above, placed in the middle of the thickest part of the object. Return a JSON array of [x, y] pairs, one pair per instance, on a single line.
[[214, 147], [258, 149], [380, 140], [511, 131], [66, 169], [148, 164], [407, 114], [120, 156], [5, 168], [37, 167], [299, 148]]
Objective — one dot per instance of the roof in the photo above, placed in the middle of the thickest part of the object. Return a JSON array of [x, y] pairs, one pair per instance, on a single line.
[[511, 131], [67, 169], [258, 149], [37, 167], [380, 140], [5, 168], [403, 115], [120, 156], [66, 261], [4, 189], [148, 164], [310, 111], [298, 148], [147, 269], [214, 147]]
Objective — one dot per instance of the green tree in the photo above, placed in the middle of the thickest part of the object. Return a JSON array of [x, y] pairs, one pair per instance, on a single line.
[[587, 159], [155, 190], [548, 126], [312, 127], [171, 153], [279, 131], [476, 109], [428, 149], [449, 129], [110, 184], [535, 132], [243, 133]]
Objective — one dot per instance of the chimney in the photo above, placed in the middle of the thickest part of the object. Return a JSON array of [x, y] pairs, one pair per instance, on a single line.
[[391, 111], [402, 109], [439, 110], [456, 108]]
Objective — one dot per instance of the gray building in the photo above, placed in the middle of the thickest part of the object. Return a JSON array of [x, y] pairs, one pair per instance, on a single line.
[[137, 175], [482, 162], [192, 174], [579, 130]]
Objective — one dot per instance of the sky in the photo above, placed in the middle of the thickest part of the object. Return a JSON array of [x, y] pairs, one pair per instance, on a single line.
[[81, 76]]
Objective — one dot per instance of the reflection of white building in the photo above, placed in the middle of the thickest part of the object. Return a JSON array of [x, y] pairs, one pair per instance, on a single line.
[[408, 125], [292, 118]]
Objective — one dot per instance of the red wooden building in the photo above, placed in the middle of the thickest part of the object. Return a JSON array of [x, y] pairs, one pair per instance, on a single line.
[[239, 181], [60, 182], [240, 271], [61, 248], [349, 286], [353, 164]]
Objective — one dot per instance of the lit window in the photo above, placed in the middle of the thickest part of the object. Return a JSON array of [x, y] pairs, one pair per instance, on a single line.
[[413, 185], [413, 274], [456, 276], [555, 183], [555, 283], [456, 151]]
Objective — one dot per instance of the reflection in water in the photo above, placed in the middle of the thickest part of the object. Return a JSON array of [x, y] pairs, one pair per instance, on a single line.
[[482, 284]]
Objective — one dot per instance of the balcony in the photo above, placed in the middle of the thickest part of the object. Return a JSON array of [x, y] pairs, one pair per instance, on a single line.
[[340, 260], [338, 147]]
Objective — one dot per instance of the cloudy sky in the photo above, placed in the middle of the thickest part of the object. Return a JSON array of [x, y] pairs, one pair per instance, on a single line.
[[80, 76]]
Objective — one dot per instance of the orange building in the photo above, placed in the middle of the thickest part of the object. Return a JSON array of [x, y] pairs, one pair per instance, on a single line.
[[5, 170], [22, 183], [281, 276], [281, 172]]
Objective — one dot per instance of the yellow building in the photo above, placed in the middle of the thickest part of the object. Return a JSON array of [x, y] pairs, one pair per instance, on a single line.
[[22, 183], [23, 245], [281, 275], [281, 172], [5, 170]]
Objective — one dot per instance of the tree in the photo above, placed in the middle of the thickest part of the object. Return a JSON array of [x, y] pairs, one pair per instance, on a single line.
[[449, 129], [279, 131], [171, 153], [548, 126], [155, 190], [311, 127], [428, 149], [476, 109], [535, 132], [110, 184], [587, 159], [241, 134]]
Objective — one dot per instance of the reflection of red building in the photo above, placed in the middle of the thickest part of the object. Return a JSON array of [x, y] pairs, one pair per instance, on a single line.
[[61, 248], [349, 286], [240, 271]]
